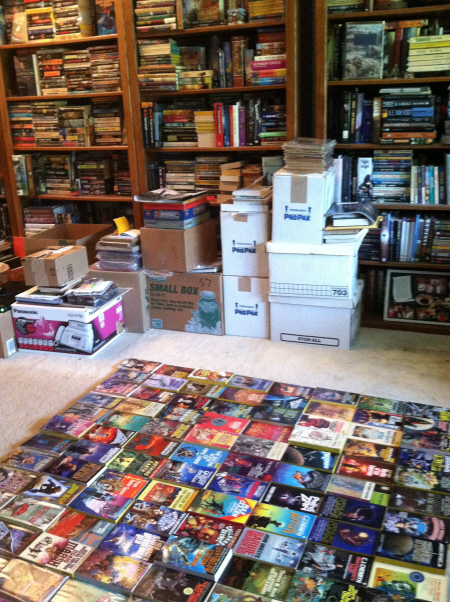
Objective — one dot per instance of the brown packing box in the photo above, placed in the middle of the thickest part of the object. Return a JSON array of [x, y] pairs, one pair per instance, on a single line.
[[81, 235], [7, 336], [55, 266], [135, 302], [178, 250], [187, 302]]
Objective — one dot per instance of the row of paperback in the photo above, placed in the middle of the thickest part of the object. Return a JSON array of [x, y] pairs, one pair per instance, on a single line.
[[211, 486], [37, 218]]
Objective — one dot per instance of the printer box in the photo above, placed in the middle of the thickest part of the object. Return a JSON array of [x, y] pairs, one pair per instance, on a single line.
[[55, 266], [300, 203], [246, 306], [7, 338], [187, 302], [178, 250], [67, 329], [244, 238]]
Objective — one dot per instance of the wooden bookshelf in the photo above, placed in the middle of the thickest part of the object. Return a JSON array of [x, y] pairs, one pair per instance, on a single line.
[[413, 147], [393, 14], [74, 198], [66, 149], [214, 149], [58, 42], [257, 89], [405, 265], [64, 96], [375, 320], [213, 29], [410, 207], [401, 81]]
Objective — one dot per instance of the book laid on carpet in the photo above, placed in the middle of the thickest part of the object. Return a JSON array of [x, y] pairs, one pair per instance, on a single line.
[[221, 505], [269, 547], [153, 518], [126, 540], [311, 458], [425, 502], [109, 506], [376, 493], [159, 582], [81, 528], [31, 513], [225, 482], [57, 553], [77, 590], [352, 538], [22, 580], [14, 539], [249, 466], [403, 550], [419, 526], [49, 488], [198, 455], [177, 497], [258, 578], [293, 498], [359, 512], [281, 521], [210, 530]]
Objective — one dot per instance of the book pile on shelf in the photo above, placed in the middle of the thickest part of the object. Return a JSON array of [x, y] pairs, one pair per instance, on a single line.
[[38, 218], [119, 252], [391, 176], [195, 80], [157, 15], [40, 23], [5, 226], [370, 249], [105, 68], [52, 77], [257, 489], [429, 54], [205, 126], [179, 174], [345, 6], [107, 122], [208, 171], [178, 128], [268, 67], [77, 70], [230, 179], [21, 122], [22, 168], [73, 18], [6, 248], [94, 174], [259, 10], [308, 155], [46, 123], [75, 126], [121, 173], [59, 173], [175, 212], [159, 65]]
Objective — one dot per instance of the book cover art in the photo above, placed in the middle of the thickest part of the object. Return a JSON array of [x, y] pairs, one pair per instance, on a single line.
[[426, 426], [143, 466], [274, 415], [161, 584], [353, 538], [268, 431], [248, 382], [152, 445], [124, 460], [141, 365], [380, 404], [28, 512], [56, 552], [77, 591], [295, 403], [223, 593], [281, 390], [426, 410], [210, 377], [93, 451], [229, 408], [363, 468], [367, 449], [412, 551], [176, 371], [411, 500], [335, 564], [424, 460], [225, 482], [301, 477], [14, 480], [27, 582], [191, 402], [127, 422], [125, 485], [85, 411], [221, 505], [176, 497], [184, 473], [332, 396], [126, 540], [375, 493], [81, 528], [435, 442], [29, 459], [381, 436], [293, 498], [249, 466], [165, 382], [112, 571], [315, 588], [49, 488], [269, 547], [421, 479], [191, 388], [363, 50], [152, 394], [263, 448], [258, 578], [204, 435], [319, 438], [333, 426], [99, 399], [109, 506], [13, 540], [165, 428], [359, 512], [151, 409], [65, 425], [222, 423], [377, 595], [321, 409], [194, 556], [70, 467], [245, 396], [128, 376], [199, 456], [109, 435], [378, 419], [210, 530], [47, 443], [154, 518], [311, 458], [5, 498], [422, 585], [112, 386], [431, 528], [181, 414], [281, 521]]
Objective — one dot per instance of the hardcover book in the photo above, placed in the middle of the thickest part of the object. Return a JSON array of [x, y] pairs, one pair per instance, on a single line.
[[249, 466], [268, 431], [375, 493], [335, 564], [47, 443], [367, 449], [77, 591], [48, 488], [221, 505], [424, 502], [152, 445], [293, 498], [125, 485], [126, 540], [14, 539], [109, 435], [28, 512], [380, 404], [378, 419], [57, 553], [352, 538], [353, 511], [210, 530], [301, 477], [81, 528], [161, 584], [258, 578], [363, 468], [268, 547], [27, 582], [184, 473], [363, 50], [118, 573], [281, 521], [109, 506], [225, 482], [262, 448], [164, 494], [423, 585], [199, 456], [30, 459], [411, 552], [431, 528], [311, 458], [153, 518], [331, 396]]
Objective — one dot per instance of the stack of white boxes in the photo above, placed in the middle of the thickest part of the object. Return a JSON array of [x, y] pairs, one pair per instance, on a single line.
[[245, 270], [315, 298]]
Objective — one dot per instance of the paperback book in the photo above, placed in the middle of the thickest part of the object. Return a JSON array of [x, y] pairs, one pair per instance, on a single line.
[[221, 505], [311, 458], [372, 434], [48, 488], [73, 428], [81, 528], [140, 407], [165, 428], [418, 478], [378, 419], [93, 451], [421, 526], [127, 422], [411, 552], [318, 589], [152, 394], [229, 408], [14, 539], [209, 377], [14, 480], [258, 578], [33, 514], [367, 449], [249, 466], [141, 365], [245, 396], [109, 506], [210, 530], [223, 593], [248, 382], [353, 511], [77, 591], [70, 467], [47, 443], [160, 584], [268, 547], [126, 485], [380, 404], [180, 414], [191, 402], [225, 482], [330, 411], [112, 386], [375, 493], [316, 438], [20, 580], [331, 396], [184, 473], [30, 459], [425, 502], [272, 415], [167, 383], [262, 448], [293, 498], [386, 578], [154, 518], [100, 399], [281, 521], [176, 497], [353, 538], [126, 540], [364, 468], [268, 431], [301, 477], [199, 456], [152, 445], [109, 435], [57, 553]]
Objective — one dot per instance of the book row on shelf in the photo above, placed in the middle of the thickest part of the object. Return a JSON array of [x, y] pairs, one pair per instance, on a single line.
[[374, 289], [51, 71], [5, 226], [165, 66], [204, 123], [351, 6]]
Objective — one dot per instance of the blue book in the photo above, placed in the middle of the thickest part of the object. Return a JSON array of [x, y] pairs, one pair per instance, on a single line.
[[199, 456], [240, 486], [182, 473], [228, 57], [177, 225], [226, 125], [176, 215], [126, 540]]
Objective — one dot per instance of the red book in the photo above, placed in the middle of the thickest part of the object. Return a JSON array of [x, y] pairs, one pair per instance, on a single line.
[[273, 36], [218, 123], [273, 64], [398, 50], [175, 207]]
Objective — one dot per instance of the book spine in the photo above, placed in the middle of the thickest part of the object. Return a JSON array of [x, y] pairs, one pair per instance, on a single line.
[[29, 168], [257, 131], [376, 120], [228, 59], [250, 122], [144, 110], [231, 122], [242, 125], [226, 126], [218, 122], [236, 124]]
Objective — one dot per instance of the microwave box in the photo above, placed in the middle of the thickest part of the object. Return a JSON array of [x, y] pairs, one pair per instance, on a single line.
[[55, 266], [246, 306], [178, 250], [80, 235], [316, 322], [244, 238], [300, 202], [187, 302], [67, 329], [7, 338], [136, 309]]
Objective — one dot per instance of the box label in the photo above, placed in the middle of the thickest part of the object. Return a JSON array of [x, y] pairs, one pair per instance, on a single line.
[[309, 340], [309, 290]]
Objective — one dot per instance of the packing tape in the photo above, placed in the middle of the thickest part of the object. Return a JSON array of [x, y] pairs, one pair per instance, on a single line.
[[245, 284], [299, 187], [239, 217]]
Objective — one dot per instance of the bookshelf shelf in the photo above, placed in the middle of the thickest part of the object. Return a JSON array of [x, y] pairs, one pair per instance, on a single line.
[[403, 81], [418, 147], [64, 96], [57, 42], [411, 207], [405, 265], [371, 320], [198, 31], [154, 94], [67, 149], [214, 149], [110, 198], [399, 13]]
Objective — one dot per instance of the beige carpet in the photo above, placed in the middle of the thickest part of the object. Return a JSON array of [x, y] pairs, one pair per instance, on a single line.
[[399, 365]]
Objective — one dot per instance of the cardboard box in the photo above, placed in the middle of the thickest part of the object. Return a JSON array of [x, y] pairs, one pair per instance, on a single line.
[[187, 302], [300, 203], [55, 266], [178, 250], [322, 271], [136, 309], [7, 339], [80, 235], [246, 306], [67, 328], [332, 324], [244, 238]]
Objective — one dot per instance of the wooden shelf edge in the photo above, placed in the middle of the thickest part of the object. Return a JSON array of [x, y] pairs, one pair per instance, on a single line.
[[113, 198], [376, 321], [387, 147], [389, 81], [411, 207], [420, 11], [241, 89], [212, 29], [62, 96], [405, 265], [214, 149], [67, 149], [58, 42]]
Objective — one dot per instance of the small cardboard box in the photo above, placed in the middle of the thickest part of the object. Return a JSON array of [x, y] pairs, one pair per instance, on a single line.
[[187, 302], [135, 303], [246, 306], [316, 322], [244, 238], [178, 250], [7, 339], [300, 203], [80, 235], [55, 266], [67, 328]]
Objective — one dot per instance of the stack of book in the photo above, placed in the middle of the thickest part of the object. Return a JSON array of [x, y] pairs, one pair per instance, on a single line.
[[308, 155], [6, 249], [253, 198], [208, 171], [5, 226], [42, 217], [46, 123], [119, 252], [250, 173], [193, 57], [180, 174], [75, 126], [231, 177], [41, 23], [407, 117], [179, 212], [11, 8], [206, 133], [59, 173], [344, 6], [105, 68], [107, 122], [52, 77], [195, 80], [391, 176], [268, 67], [73, 18], [429, 54], [94, 174], [77, 68], [159, 65], [370, 246], [121, 174], [178, 128], [259, 10], [21, 121], [273, 125], [155, 15]]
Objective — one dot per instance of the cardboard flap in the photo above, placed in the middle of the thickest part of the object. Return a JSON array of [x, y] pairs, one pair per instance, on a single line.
[[299, 189], [245, 284]]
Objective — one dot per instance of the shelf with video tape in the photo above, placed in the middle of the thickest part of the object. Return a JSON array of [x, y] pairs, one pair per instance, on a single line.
[[411, 207], [113, 198], [415, 147], [375, 320], [58, 42], [401, 81], [420, 12], [67, 149], [63, 96], [196, 31], [214, 149], [155, 94], [405, 265]]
